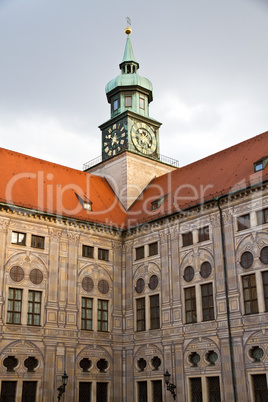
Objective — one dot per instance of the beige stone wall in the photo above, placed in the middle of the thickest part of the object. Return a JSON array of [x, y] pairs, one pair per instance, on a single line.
[[128, 174], [59, 343]]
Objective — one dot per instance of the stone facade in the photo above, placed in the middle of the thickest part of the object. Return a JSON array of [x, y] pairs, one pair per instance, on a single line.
[[127, 352]]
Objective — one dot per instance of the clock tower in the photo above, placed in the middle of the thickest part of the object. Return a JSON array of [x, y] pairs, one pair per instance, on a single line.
[[130, 138]]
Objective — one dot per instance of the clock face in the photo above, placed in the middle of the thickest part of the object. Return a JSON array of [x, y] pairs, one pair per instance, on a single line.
[[114, 139], [143, 138]]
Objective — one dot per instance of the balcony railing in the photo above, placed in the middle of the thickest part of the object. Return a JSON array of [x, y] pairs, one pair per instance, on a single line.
[[161, 158]]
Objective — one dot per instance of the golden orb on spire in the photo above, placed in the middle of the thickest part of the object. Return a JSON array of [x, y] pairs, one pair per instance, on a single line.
[[128, 30]]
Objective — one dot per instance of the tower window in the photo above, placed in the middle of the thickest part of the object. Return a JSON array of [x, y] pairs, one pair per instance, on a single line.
[[115, 104], [142, 103], [128, 101]]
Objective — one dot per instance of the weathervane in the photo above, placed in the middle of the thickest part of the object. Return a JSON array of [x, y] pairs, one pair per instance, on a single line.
[[128, 29]]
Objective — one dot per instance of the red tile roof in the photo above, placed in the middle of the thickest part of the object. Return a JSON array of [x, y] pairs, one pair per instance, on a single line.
[[222, 173], [35, 184], [40, 185]]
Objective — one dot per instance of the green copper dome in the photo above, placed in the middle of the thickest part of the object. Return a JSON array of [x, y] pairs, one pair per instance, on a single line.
[[129, 77]]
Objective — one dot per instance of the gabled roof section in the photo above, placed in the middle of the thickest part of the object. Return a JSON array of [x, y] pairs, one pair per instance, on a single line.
[[220, 174], [46, 187]]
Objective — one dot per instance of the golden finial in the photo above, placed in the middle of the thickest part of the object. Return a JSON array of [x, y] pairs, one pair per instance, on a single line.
[[128, 29]]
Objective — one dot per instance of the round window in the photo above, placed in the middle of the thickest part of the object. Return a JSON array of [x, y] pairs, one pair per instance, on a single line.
[[188, 273], [103, 286], [87, 284], [246, 259], [264, 255], [205, 270], [153, 282], [16, 274], [36, 276], [140, 285]]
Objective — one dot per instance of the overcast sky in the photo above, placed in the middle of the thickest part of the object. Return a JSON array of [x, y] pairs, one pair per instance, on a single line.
[[207, 60]]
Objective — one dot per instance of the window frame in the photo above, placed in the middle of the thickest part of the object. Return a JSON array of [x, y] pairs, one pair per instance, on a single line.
[[38, 241], [187, 239], [16, 241], [207, 302], [34, 302], [140, 314], [203, 234], [154, 312], [102, 321], [153, 248], [192, 301], [128, 99], [87, 307], [13, 311], [87, 251], [243, 222], [262, 216], [250, 300], [141, 255], [103, 254]]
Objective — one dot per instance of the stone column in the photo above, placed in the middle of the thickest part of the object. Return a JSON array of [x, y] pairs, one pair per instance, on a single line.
[[49, 386], [71, 308]]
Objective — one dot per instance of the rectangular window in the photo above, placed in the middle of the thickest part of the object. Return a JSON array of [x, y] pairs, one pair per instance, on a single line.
[[139, 253], [262, 216], [18, 238], [196, 389], [203, 234], [115, 104], [34, 307], [8, 391], [102, 391], [142, 103], [157, 391], [84, 391], [14, 306], [250, 294], [142, 391], [243, 222], [207, 302], [140, 304], [265, 288], [29, 391], [128, 101], [187, 239], [86, 313], [153, 249], [103, 254], [154, 312], [38, 241], [214, 391], [87, 251], [260, 390], [103, 315], [190, 305]]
